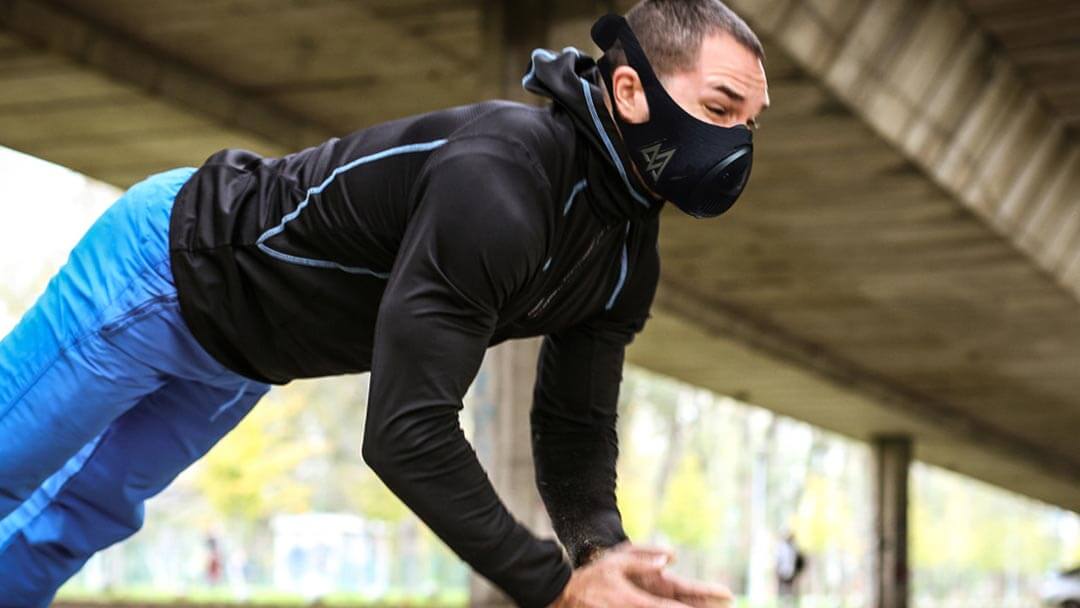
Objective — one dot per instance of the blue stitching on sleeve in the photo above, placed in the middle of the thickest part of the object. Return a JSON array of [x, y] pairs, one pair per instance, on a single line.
[[607, 143], [301, 261], [573, 195], [622, 273], [527, 82]]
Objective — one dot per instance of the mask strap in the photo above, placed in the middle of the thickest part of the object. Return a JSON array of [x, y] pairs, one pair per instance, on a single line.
[[614, 27]]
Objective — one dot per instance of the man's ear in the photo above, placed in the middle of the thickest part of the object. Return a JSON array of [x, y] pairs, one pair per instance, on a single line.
[[629, 100]]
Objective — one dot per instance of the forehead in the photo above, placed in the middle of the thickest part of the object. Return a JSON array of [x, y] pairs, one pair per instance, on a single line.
[[724, 57]]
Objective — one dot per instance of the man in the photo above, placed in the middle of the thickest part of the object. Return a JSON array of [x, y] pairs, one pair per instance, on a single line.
[[405, 249]]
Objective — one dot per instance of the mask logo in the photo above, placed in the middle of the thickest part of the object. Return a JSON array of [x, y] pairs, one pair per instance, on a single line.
[[657, 160]]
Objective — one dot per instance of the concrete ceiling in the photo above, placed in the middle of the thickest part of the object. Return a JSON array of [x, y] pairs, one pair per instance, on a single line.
[[849, 288], [120, 88], [1043, 40], [336, 63]]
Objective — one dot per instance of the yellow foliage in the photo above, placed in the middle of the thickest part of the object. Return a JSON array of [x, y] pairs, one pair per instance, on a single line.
[[250, 474], [689, 515], [958, 523], [824, 517], [375, 500], [635, 505]]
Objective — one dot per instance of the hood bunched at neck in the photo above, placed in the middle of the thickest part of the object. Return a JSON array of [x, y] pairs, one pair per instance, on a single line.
[[572, 81]]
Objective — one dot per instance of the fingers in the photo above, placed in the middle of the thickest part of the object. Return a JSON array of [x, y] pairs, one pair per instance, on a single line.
[[698, 594], [644, 567], [656, 584], [648, 574], [637, 598], [641, 564], [690, 587], [627, 547], [651, 551]]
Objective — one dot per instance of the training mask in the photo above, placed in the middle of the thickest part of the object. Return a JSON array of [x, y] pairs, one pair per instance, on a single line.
[[700, 167]]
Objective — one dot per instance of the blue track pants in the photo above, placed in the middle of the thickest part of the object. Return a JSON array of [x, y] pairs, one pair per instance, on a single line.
[[105, 397]]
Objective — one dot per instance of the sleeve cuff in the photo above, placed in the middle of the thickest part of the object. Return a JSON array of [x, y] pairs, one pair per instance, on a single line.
[[550, 592], [587, 550]]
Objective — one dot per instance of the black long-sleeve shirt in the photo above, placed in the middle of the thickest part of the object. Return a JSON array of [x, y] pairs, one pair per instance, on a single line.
[[408, 249]]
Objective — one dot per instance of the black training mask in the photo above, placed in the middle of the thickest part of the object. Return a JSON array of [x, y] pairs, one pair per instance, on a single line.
[[700, 167]]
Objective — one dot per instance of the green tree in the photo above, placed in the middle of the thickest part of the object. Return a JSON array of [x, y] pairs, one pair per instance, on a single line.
[[689, 515]]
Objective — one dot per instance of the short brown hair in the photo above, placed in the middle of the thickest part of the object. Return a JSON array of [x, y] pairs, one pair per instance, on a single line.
[[671, 32]]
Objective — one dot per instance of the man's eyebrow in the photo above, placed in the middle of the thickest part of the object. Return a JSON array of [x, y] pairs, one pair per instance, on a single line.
[[730, 92]]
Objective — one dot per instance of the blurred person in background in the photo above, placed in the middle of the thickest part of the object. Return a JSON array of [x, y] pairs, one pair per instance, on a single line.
[[405, 249], [790, 564], [1062, 590], [213, 562]]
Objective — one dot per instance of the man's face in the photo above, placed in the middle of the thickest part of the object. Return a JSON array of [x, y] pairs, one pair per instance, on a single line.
[[727, 87]]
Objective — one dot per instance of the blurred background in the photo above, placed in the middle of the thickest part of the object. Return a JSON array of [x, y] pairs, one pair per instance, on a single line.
[[870, 363]]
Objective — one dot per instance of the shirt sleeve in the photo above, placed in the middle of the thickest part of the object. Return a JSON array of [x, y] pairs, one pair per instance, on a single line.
[[474, 237], [574, 415]]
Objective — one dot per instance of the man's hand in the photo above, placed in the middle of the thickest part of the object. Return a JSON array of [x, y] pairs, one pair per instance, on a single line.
[[608, 581], [671, 586]]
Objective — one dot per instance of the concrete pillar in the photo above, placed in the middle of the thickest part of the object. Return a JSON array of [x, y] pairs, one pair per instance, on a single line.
[[892, 461], [511, 31], [503, 443]]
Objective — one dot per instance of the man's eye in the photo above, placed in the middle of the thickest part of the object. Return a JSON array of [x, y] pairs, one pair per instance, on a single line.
[[717, 111]]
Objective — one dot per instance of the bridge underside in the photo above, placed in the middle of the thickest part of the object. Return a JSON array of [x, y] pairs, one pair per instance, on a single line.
[[852, 287]]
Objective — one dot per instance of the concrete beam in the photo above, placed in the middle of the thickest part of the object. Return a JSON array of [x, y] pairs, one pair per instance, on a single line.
[[892, 462], [719, 317], [55, 29], [970, 122]]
